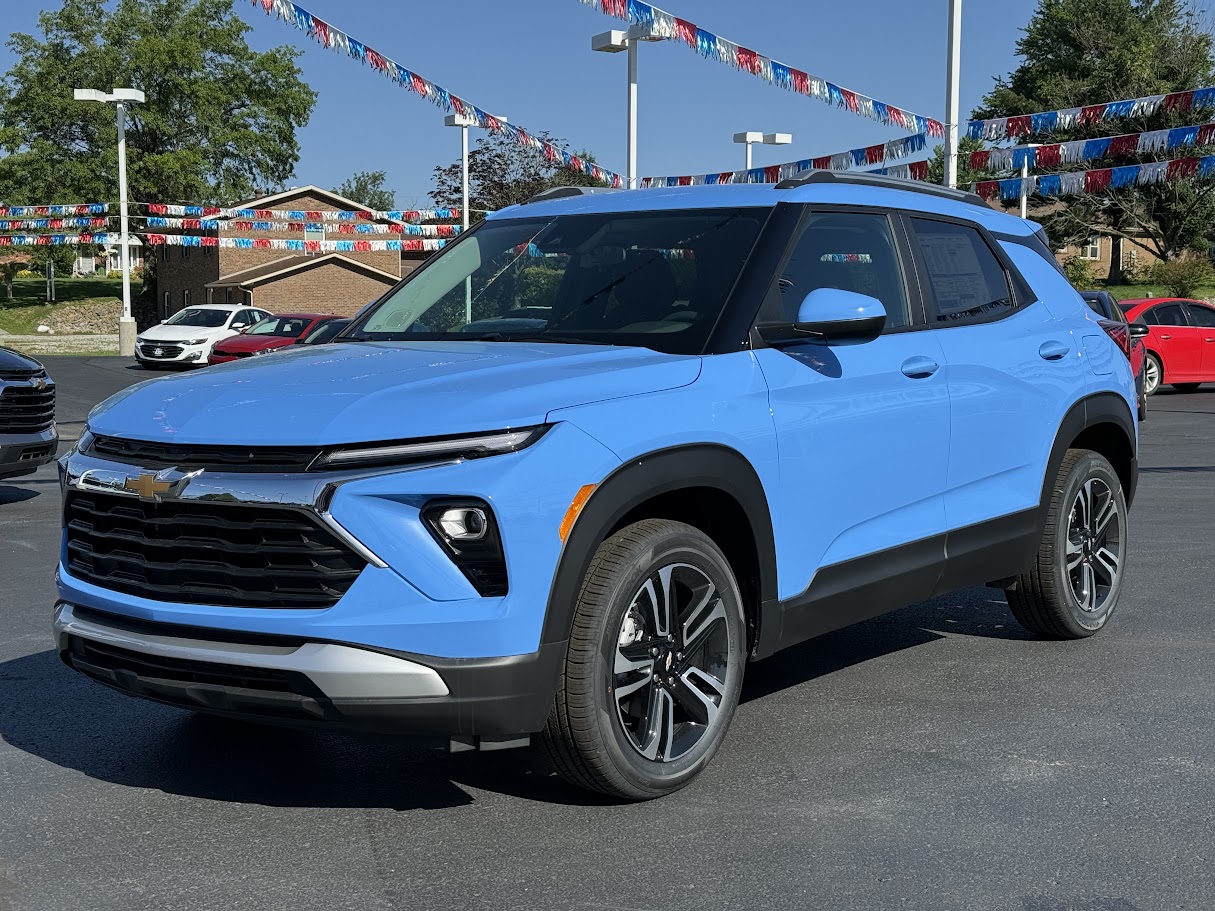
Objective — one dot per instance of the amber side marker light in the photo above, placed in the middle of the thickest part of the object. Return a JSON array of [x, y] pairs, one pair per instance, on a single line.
[[571, 514]]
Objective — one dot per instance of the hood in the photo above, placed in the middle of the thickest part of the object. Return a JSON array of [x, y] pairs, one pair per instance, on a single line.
[[364, 392], [252, 343], [163, 333]]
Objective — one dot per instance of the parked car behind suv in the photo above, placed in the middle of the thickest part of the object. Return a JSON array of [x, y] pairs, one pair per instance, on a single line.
[[1180, 341], [28, 438], [268, 335], [185, 338], [1128, 336], [729, 419]]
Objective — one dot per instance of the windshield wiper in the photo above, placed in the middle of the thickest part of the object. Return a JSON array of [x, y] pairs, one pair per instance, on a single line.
[[511, 337]]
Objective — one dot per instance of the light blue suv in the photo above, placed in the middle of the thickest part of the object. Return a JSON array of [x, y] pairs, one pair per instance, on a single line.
[[567, 479]]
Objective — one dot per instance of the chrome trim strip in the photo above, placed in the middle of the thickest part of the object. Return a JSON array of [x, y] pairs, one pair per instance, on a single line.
[[358, 546], [340, 671]]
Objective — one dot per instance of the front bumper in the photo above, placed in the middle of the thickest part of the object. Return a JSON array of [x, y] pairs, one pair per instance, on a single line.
[[22, 454], [301, 682], [171, 353]]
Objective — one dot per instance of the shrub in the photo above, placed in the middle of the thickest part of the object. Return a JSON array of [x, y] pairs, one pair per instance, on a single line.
[[1079, 272], [26, 273], [1183, 277]]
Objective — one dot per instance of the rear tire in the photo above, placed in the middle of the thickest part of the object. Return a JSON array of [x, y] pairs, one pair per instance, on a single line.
[[655, 663], [1153, 373], [1186, 387], [1074, 584]]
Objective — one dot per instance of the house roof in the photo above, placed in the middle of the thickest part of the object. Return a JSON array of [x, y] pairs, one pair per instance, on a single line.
[[288, 265], [277, 200]]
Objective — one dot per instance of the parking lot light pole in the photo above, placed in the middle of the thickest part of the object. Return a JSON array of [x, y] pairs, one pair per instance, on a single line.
[[749, 139], [1025, 182], [953, 93], [464, 121], [120, 98], [612, 43]]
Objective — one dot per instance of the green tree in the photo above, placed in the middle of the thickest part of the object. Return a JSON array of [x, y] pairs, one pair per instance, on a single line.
[[502, 173], [220, 119], [1079, 52], [367, 188], [966, 176]]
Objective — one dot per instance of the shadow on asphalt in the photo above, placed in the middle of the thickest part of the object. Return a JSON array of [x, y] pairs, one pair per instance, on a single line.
[[11, 494], [53, 713]]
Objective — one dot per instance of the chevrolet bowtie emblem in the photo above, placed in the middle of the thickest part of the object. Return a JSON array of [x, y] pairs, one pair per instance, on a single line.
[[147, 486]]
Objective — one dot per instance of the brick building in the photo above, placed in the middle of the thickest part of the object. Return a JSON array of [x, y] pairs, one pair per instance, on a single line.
[[277, 280]]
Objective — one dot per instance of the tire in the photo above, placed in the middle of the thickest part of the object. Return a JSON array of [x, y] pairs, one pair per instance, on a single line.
[[1186, 387], [614, 728], [1153, 373], [1074, 584]]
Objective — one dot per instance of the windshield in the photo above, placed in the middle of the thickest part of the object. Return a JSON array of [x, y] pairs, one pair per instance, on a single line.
[[279, 326], [651, 279], [199, 316]]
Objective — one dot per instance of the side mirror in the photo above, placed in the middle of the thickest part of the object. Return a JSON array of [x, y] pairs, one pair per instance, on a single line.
[[830, 315], [1140, 330], [239, 327]]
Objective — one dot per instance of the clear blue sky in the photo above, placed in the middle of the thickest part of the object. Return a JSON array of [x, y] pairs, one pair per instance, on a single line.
[[532, 63]]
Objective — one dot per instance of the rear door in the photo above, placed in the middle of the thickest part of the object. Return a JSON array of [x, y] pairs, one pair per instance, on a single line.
[[1013, 370], [1203, 319], [1177, 343]]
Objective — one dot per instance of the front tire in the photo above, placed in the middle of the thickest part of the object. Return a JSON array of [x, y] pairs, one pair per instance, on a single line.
[[655, 663], [1153, 373], [1073, 586]]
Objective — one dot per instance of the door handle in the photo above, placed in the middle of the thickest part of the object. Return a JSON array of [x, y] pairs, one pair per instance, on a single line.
[[1166, 336], [1053, 351], [919, 368], [1209, 340]]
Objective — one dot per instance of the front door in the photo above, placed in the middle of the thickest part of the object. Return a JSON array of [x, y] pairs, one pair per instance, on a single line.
[[1175, 341], [862, 429], [1203, 319]]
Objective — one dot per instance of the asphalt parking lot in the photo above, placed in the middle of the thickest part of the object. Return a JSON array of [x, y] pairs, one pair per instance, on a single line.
[[937, 758]]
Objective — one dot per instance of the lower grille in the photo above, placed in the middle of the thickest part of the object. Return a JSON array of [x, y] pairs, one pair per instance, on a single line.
[[36, 452], [207, 553], [160, 351], [27, 409]]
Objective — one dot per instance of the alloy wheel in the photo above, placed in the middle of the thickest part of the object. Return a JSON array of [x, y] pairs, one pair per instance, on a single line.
[[670, 664], [1094, 545], [1151, 376]]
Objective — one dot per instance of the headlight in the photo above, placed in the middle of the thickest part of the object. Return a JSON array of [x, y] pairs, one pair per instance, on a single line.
[[262, 351], [462, 447], [197, 341]]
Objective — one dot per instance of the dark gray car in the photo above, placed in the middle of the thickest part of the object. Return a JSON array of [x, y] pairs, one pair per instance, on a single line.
[[28, 437]]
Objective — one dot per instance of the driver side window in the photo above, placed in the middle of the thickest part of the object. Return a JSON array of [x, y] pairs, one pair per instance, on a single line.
[[849, 251]]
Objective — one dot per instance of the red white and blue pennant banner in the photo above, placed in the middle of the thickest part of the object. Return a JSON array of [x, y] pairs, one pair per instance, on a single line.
[[1047, 121], [31, 224], [88, 208], [661, 24], [1081, 150], [406, 215], [1101, 179], [50, 240], [337, 40], [840, 161], [214, 224], [418, 245]]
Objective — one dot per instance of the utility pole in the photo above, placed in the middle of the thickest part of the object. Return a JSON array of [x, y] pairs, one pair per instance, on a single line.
[[953, 92]]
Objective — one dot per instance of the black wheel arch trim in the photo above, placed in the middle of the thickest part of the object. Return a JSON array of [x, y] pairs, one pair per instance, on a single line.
[[1091, 411], [641, 479]]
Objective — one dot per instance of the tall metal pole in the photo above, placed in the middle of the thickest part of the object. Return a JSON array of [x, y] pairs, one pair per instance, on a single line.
[[953, 93], [464, 215], [632, 128], [1025, 186], [747, 145], [126, 325]]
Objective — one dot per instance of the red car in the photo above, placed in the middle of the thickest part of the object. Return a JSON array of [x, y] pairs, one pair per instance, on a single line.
[[1180, 341], [261, 338]]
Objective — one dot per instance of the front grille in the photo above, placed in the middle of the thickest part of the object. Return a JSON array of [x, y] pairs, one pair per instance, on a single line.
[[22, 373], [206, 553], [214, 458], [27, 409], [150, 351]]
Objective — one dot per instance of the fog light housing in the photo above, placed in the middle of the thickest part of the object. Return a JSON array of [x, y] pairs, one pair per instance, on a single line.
[[468, 533]]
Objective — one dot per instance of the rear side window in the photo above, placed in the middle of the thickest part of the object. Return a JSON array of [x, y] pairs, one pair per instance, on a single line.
[[1165, 315], [1202, 316], [851, 251], [965, 280]]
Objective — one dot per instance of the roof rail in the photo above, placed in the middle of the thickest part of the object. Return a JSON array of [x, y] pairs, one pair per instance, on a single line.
[[885, 181], [563, 192]]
